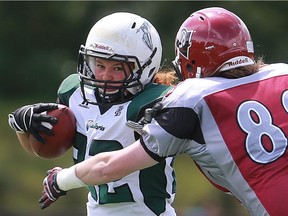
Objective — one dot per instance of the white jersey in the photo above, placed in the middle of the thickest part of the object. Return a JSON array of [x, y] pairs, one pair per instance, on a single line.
[[236, 132], [147, 192]]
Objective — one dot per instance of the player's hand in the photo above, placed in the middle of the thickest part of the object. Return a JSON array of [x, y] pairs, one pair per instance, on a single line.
[[51, 190], [30, 118], [147, 118]]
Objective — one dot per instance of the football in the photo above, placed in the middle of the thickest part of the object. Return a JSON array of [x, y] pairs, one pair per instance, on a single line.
[[63, 134]]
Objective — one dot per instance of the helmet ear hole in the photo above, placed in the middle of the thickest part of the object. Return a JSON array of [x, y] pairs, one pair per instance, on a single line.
[[201, 18], [133, 25], [189, 68]]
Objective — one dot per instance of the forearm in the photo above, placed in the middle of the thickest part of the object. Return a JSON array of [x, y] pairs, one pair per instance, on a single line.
[[105, 167], [110, 166], [93, 171], [101, 169]]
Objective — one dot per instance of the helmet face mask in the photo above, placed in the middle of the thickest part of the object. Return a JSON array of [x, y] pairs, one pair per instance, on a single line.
[[212, 40], [104, 88], [125, 38]]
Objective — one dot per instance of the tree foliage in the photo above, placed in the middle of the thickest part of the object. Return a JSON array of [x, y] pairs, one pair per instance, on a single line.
[[40, 40]]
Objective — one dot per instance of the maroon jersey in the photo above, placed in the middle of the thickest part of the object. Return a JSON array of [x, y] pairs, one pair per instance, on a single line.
[[236, 132]]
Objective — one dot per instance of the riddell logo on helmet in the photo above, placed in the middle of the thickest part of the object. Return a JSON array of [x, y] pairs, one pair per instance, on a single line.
[[102, 47], [238, 62]]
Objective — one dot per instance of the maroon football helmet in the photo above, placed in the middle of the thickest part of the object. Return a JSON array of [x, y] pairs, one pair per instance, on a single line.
[[211, 40]]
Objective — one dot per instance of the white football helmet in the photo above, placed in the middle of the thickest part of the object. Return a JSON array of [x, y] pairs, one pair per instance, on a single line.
[[123, 37]]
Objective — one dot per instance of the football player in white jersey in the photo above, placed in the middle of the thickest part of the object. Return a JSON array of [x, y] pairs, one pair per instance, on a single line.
[[114, 84], [230, 117]]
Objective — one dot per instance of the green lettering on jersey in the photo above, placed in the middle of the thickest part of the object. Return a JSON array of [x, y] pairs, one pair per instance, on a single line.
[[107, 192]]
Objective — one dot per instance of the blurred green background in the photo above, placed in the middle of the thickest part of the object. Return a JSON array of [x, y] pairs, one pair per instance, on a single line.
[[39, 48]]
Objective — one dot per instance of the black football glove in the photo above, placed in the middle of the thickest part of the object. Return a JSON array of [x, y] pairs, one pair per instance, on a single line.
[[147, 118], [51, 190], [29, 118]]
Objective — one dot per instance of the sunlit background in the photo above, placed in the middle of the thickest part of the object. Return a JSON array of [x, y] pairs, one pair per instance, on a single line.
[[39, 43]]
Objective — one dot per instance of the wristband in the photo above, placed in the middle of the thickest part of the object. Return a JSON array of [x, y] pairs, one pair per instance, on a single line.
[[67, 179]]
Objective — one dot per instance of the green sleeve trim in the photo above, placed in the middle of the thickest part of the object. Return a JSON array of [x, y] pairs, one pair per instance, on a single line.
[[67, 87], [151, 94]]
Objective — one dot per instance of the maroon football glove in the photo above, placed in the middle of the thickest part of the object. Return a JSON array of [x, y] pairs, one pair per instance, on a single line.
[[51, 190]]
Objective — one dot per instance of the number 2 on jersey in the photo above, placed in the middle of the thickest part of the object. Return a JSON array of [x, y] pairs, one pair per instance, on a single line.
[[108, 193]]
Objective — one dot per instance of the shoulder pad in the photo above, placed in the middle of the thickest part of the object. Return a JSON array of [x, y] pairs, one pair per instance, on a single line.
[[67, 87]]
